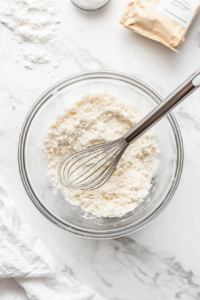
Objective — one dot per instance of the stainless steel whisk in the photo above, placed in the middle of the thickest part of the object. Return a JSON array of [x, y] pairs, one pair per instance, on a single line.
[[90, 168]]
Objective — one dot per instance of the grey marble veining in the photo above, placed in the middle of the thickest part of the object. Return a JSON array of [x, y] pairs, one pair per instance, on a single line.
[[80, 55], [160, 273], [162, 260]]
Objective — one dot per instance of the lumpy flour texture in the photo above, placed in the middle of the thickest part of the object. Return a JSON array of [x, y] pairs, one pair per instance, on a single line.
[[99, 118]]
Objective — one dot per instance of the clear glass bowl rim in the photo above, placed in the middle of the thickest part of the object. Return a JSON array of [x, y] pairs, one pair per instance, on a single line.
[[89, 9], [98, 234]]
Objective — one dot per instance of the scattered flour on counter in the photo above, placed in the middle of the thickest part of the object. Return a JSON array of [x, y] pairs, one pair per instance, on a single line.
[[34, 22], [35, 55], [99, 118]]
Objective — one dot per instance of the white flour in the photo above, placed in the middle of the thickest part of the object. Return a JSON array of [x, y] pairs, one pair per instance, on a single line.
[[32, 21], [35, 55], [96, 119], [90, 4]]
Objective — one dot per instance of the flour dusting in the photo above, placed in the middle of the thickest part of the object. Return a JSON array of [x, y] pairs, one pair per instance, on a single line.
[[34, 22], [99, 118]]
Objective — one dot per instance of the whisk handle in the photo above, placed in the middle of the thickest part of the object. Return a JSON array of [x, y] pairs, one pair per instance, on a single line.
[[181, 93]]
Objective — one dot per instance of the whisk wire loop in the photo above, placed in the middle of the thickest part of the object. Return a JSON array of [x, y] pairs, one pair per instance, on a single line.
[[90, 168]]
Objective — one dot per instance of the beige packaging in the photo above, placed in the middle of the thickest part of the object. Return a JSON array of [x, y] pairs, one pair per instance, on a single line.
[[142, 17]]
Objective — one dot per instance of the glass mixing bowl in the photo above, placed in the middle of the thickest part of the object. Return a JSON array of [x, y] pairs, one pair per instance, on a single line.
[[33, 168]]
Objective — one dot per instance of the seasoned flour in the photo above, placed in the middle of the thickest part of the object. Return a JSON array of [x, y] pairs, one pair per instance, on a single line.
[[99, 118]]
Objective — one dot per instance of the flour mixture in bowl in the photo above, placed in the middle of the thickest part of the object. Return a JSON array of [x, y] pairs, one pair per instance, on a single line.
[[100, 118]]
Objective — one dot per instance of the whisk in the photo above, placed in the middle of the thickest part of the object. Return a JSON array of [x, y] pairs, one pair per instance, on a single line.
[[90, 168]]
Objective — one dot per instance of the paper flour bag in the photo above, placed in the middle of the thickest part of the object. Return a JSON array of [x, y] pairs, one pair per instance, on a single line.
[[165, 21]]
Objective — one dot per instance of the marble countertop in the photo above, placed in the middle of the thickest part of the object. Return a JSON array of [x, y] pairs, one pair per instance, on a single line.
[[162, 260]]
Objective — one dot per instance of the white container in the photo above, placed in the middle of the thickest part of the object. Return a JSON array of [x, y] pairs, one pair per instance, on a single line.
[[90, 4]]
